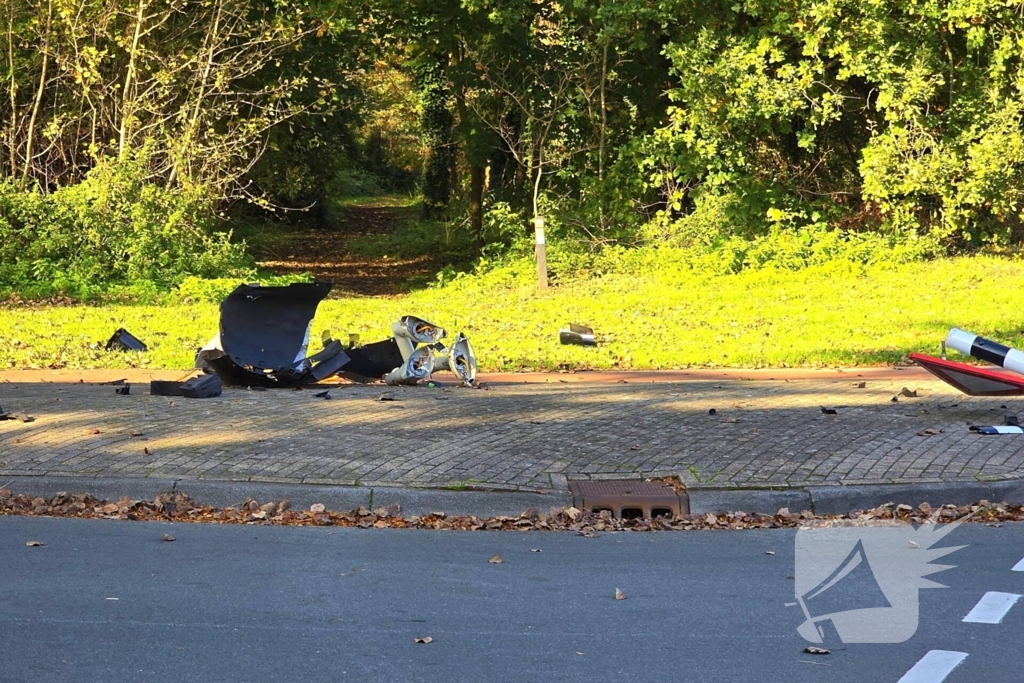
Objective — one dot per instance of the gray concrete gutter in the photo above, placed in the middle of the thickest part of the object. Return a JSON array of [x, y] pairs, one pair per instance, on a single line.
[[820, 499], [837, 500]]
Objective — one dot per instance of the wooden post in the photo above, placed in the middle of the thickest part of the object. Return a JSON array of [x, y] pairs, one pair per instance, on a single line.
[[542, 256]]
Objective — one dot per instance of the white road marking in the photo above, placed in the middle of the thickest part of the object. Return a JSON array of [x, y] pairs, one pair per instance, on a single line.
[[991, 608], [1019, 567], [934, 667]]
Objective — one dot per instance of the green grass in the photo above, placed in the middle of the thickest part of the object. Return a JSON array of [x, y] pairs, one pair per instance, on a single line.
[[667, 317]]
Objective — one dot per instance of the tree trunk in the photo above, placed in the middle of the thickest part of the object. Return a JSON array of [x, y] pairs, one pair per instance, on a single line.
[[39, 97], [476, 203]]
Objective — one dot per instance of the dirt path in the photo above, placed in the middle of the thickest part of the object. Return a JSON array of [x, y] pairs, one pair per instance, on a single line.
[[325, 253]]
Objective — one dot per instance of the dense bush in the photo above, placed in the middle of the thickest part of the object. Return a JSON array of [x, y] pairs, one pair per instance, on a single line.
[[113, 231]]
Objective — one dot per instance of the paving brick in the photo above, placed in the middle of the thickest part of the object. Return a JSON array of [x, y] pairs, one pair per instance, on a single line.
[[515, 435]]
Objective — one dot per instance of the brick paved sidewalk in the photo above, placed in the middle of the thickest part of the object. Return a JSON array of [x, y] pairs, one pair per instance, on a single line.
[[523, 436]]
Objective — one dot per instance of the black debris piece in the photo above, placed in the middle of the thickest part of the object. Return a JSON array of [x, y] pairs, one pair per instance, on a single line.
[[324, 395], [371, 362], [712, 411], [16, 416], [204, 386], [264, 335], [577, 335], [123, 390], [1011, 421], [123, 340], [828, 411]]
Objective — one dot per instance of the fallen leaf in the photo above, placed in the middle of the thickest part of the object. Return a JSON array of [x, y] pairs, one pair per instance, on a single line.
[[993, 524], [168, 538], [262, 514], [495, 560], [317, 507], [92, 431], [426, 640], [35, 544], [914, 544], [817, 651], [929, 432], [908, 393], [386, 397], [619, 595], [731, 420], [581, 653]]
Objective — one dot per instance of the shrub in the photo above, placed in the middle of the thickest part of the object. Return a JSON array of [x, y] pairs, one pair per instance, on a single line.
[[112, 231]]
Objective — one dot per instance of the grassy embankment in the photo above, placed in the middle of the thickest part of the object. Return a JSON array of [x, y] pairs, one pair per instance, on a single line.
[[666, 317]]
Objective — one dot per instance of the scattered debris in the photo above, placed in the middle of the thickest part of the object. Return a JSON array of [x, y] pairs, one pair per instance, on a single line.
[[769, 552], [731, 420], [535, 550], [619, 595], [35, 544], [169, 538], [811, 650], [997, 429], [263, 341], [914, 544], [204, 386], [859, 385], [123, 340], [828, 411], [123, 390], [114, 382], [931, 431], [972, 380], [23, 417], [324, 395], [712, 411], [317, 508], [577, 335], [426, 640], [894, 399], [495, 560], [386, 396], [1011, 421], [907, 393]]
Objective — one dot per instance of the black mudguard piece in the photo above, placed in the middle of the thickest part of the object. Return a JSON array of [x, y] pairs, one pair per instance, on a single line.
[[372, 361], [262, 328]]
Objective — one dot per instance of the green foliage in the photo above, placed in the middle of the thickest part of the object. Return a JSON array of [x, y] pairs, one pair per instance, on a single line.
[[112, 233], [906, 116], [437, 133], [651, 313]]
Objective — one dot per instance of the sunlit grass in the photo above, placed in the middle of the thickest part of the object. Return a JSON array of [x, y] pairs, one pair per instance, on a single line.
[[665, 318]]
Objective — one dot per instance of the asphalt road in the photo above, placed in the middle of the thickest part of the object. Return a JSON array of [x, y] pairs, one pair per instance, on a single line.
[[111, 601]]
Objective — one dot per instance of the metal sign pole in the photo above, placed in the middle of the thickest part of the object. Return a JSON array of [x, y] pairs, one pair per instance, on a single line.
[[542, 257]]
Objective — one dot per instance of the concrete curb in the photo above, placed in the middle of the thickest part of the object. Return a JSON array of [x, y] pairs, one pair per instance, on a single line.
[[301, 496], [838, 500], [830, 500]]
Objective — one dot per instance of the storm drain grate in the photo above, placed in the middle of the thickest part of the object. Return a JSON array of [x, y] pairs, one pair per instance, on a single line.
[[628, 499]]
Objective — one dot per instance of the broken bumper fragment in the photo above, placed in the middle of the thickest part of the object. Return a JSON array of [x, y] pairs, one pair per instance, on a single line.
[[264, 339]]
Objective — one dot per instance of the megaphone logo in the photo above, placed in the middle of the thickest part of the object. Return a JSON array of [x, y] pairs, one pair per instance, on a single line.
[[860, 583]]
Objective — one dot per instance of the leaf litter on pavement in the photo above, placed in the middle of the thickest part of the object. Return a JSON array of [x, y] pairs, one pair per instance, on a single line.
[[178, 506]]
